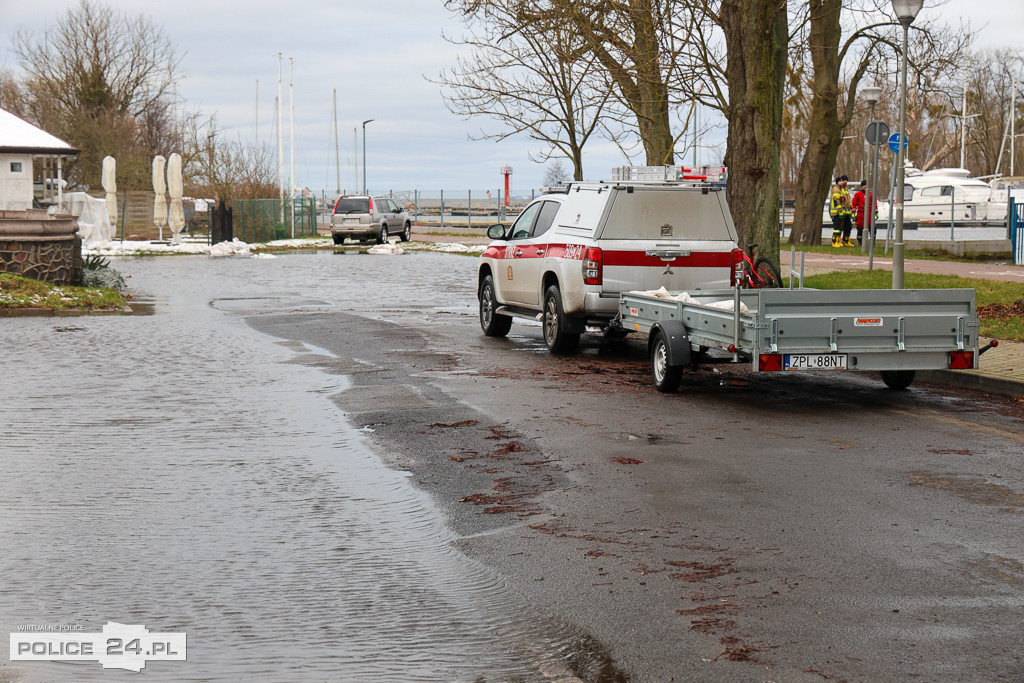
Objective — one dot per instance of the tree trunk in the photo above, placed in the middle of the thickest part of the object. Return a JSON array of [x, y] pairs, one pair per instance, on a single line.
[[824, 126], [577, 162], [655, 128], [650, 101], [756, 40]]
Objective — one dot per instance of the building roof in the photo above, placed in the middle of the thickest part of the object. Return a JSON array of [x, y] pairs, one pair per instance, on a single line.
[[18, 136]]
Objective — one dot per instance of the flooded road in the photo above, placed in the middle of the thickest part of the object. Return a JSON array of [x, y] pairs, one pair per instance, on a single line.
[[182, 471]]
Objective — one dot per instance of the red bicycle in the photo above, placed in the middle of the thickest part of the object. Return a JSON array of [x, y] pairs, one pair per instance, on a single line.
[[756, 273]]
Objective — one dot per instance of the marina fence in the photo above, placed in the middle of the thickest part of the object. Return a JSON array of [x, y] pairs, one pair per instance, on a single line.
[[263, 220]]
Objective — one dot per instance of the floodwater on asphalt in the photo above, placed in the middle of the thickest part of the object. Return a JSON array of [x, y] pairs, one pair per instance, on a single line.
[[181, 471]]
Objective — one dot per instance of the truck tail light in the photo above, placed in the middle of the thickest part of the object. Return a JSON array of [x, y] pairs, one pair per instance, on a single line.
[[592, 266], [961, 360], [770, 362], [736, 274]]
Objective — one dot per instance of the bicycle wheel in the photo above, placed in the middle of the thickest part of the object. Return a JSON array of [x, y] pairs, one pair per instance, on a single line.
[[767, 272]]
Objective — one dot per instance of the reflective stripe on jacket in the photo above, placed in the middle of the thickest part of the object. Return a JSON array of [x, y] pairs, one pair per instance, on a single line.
[[840, 205]]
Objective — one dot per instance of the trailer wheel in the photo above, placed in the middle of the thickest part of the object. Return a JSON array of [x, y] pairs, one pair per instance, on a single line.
[[897, 379], [666, 377], [555, 336], [493, 324]]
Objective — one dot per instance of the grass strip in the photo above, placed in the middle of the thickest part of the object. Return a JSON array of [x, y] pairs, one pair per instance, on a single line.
[[910, 254], [18, 292], [997, 301]]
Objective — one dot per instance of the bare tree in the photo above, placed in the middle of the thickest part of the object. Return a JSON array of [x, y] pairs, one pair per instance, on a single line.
[[637, 46], [825, 121], [102, 80], [555, 173], [846, 42], [529, 76], [989, 84], [215, 165]]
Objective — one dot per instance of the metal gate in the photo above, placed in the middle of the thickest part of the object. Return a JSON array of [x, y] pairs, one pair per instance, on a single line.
[[1017, 231]]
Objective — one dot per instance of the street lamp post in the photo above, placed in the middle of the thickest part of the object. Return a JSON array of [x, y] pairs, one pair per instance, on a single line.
[[872, 93], [364, 153], [906, 11]]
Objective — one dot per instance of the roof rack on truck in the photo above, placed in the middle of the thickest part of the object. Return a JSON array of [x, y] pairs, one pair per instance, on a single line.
[[669, 174]]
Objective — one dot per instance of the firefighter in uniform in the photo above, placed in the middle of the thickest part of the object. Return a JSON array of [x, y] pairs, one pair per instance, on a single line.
[[841, 210]]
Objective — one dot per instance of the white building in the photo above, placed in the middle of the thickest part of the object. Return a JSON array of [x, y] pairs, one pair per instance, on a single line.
[[24, 149]]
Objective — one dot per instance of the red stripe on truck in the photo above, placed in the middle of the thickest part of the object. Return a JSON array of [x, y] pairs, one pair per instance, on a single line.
[[575, 252], [700, 259]]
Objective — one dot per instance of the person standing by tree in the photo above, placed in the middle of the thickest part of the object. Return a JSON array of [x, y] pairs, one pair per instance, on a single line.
[[863, 202], [841, 210]]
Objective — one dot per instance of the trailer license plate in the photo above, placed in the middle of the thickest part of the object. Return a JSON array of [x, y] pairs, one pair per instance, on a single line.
[[815, 361]]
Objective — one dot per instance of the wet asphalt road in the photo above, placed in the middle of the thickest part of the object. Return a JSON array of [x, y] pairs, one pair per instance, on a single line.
[[746, 528]]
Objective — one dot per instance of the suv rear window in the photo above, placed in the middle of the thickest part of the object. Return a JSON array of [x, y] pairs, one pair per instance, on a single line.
[[653, 214], [352, 205]]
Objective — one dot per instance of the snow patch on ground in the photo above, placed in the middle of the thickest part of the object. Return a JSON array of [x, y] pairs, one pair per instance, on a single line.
[[238, 248]]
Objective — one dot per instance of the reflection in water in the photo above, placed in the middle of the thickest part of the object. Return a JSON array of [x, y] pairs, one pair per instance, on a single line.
[[175, 470]]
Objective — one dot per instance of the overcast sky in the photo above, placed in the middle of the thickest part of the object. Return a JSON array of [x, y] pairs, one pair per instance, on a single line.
[[376, 54]]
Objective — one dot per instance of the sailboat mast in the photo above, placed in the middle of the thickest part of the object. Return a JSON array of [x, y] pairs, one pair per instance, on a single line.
[[280, 140], [337, 158], [963, 129], [291, 142]]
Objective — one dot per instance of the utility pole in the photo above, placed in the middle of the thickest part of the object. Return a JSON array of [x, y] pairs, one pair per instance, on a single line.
[[280, 141]]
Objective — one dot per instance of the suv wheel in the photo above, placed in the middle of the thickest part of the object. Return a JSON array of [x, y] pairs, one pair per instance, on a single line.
[[555, 336], [407, 233], [338, 239], [382, 238], [492, 323]]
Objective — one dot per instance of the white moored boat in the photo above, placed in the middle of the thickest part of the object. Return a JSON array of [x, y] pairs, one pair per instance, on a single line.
[[942, 194]]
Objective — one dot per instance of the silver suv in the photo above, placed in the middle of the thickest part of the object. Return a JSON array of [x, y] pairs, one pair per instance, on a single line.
[[363, 217]]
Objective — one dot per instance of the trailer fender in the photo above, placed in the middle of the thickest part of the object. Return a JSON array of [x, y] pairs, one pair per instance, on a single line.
[[677, 341]]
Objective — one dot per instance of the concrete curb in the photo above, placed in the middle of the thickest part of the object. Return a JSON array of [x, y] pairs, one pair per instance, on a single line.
[[970, 379]]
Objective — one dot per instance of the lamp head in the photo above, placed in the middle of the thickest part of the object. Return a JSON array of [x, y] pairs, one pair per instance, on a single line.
[[871, 93], [907, 10]]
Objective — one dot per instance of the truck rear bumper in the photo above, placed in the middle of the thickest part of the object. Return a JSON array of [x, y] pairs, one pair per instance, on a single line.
[[601, 304]]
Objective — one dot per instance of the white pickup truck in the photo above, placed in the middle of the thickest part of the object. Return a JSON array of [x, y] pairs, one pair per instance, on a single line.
[[661, 258], [570, 255]]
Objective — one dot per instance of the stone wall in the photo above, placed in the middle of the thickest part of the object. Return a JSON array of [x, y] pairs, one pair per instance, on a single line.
[[40, 247]]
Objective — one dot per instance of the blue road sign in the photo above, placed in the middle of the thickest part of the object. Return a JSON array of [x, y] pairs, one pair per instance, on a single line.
[[894, 142]]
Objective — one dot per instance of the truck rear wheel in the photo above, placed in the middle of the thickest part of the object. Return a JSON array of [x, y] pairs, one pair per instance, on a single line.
[[897, 379], [666, 377], [555, 336], [492, 323]]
